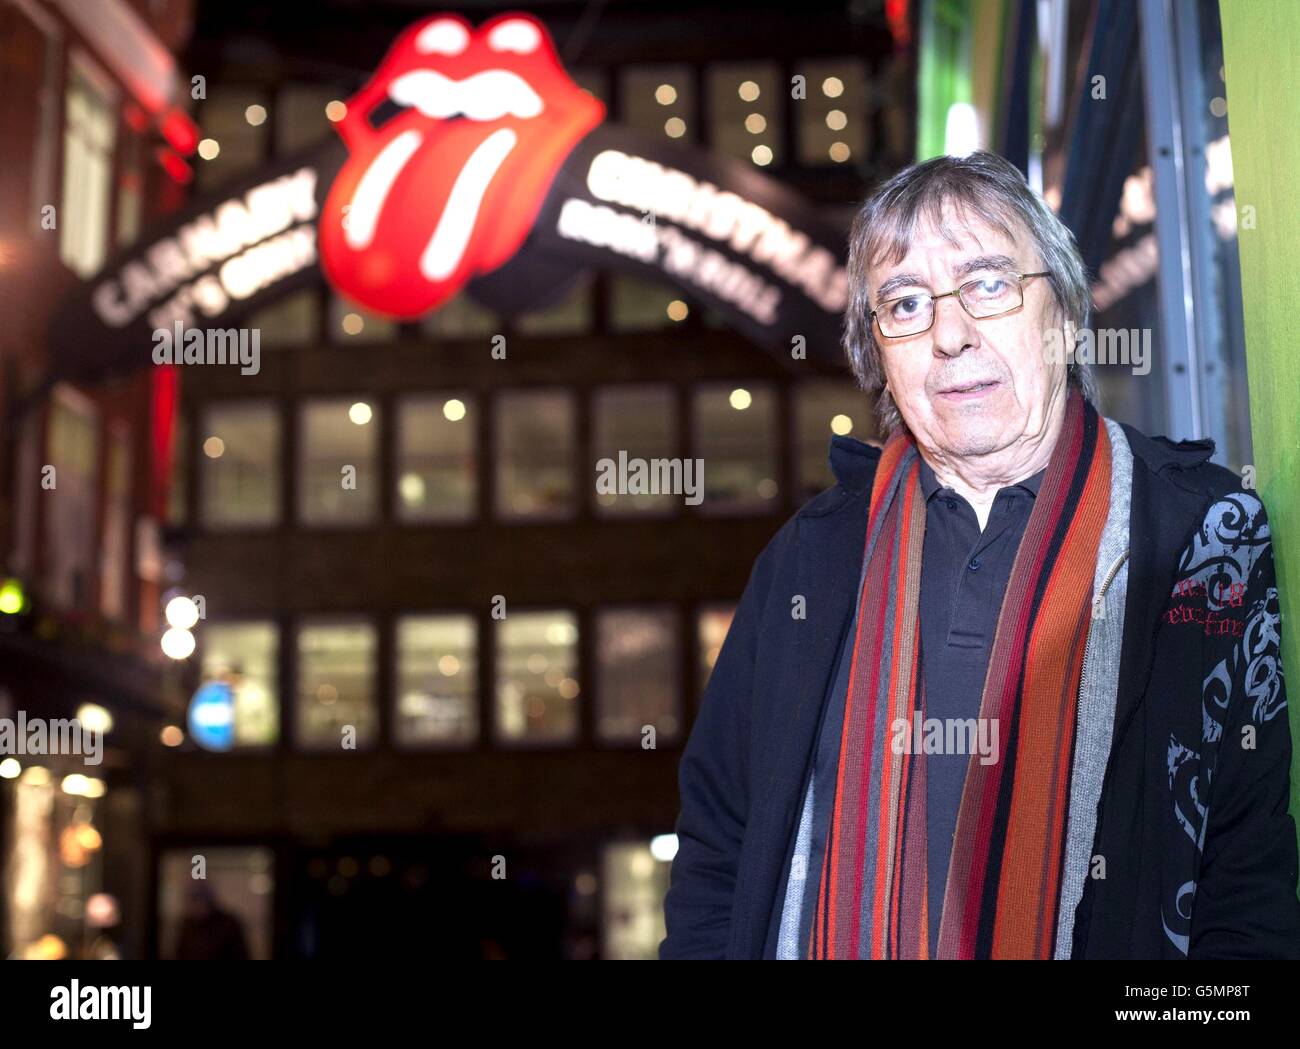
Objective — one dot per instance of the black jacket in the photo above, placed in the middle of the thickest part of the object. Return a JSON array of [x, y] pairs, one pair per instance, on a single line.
[[1200, 725]]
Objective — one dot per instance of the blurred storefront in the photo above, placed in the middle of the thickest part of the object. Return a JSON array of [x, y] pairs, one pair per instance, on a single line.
[[89, 102]]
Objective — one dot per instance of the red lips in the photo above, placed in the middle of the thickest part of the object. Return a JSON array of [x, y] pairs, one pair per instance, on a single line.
[[451, 186]]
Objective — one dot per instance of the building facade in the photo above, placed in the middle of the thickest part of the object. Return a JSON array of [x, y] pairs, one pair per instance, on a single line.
[[462, 667]]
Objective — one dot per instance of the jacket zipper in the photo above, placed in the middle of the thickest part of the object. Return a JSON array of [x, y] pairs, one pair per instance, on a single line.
[[1087, 646], [1105, 585]]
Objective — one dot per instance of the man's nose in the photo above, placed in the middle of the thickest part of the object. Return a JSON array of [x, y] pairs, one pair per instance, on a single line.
[[954, 329]]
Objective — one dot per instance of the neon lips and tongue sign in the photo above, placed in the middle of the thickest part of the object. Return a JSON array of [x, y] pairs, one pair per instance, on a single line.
[[471, 161], [449, 188]]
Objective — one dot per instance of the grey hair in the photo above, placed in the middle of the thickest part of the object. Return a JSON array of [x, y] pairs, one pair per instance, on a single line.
[[982, 185]]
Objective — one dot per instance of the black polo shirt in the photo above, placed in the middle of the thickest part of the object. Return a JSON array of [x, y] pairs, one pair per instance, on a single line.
[[963, 579]]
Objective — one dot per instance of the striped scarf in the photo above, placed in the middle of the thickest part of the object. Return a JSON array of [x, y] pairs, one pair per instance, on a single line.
[[1000, 899]]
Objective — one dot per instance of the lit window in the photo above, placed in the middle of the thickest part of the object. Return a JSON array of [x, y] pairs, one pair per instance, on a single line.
[[130, 192], [293, 321], [90, 132], [746, 114], [336, 685], [27, 492], [833, 116], [38, 94], [824, 410], [239, 881], [437, 680], [240, 144], [338, 462], [637, 674], [593, 81], [711, 628], [299, 116], [640, 421], [570, 316], [633, 884], [73, 450], [240, 465], [437, 476], [246, 655], [735, 431], [178, 488], [660, 99], [535, 449], [114, 576], [460, 318], [352, 325], [641, 305], [537, 677]]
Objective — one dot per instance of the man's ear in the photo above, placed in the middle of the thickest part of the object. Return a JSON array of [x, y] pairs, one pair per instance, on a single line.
[[1071, 339]]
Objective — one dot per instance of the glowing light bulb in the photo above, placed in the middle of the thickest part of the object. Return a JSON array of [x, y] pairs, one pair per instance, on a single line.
[[177, 643]]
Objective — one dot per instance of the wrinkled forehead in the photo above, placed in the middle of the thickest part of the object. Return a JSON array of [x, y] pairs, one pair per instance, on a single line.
[[948, 226]]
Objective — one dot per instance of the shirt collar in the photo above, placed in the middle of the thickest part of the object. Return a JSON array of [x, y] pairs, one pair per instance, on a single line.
[[930, 485]]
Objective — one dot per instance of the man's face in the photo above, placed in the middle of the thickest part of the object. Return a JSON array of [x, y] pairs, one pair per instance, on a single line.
[[970, 387]]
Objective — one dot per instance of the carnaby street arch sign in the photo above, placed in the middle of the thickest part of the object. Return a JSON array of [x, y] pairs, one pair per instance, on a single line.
[[471, 160]]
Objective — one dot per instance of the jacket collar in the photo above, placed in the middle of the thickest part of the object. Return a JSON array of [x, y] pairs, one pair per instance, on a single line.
[[1158, 453], [854, 462]]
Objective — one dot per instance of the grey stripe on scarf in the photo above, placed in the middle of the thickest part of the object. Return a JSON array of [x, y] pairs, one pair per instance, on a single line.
[[1097, 689], [1096, 716]]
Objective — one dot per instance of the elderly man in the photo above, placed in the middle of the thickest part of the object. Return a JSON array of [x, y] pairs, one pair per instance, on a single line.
[[1011, 689]]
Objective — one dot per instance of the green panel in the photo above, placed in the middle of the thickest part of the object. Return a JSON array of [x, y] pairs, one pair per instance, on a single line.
[[943, 73], [1261, 62]]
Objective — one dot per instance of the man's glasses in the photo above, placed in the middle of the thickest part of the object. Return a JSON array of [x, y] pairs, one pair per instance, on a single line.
[[989, 296]]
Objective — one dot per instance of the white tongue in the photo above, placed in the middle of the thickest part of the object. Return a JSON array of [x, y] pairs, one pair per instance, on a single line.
[[447, 245], [372, 190]]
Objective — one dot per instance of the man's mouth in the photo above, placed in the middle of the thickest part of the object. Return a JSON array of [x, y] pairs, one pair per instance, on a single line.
[[450, 187], [972, 390]]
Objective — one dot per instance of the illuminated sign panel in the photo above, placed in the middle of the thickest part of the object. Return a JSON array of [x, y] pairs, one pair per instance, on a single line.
[[211, 716], [450, 187], [494, 173], [222, 256]]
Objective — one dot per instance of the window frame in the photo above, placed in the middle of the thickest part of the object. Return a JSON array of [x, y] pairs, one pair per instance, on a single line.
[[476, 698], [199, 436]]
